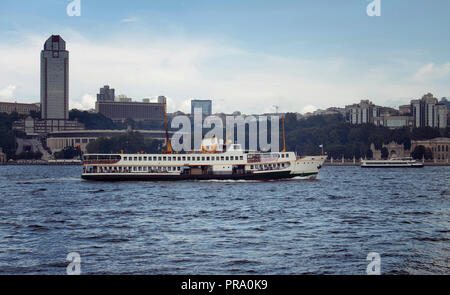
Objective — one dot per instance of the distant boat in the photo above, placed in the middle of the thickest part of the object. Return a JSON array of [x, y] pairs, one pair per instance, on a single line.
[[406, 162]]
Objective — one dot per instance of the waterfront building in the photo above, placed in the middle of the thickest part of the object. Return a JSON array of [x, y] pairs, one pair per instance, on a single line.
[[362, 113], [55, 80], [33, 126], [394, 149], [138, 111], [106, 94], [427, 112], [204, 105], [59, 140], [20, 108], [440, 147], [393, 122]]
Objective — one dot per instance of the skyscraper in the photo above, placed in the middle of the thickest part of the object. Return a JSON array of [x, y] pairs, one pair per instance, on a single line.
[[55, 79]]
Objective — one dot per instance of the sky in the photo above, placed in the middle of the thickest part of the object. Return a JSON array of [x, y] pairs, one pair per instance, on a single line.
[[245, 55]]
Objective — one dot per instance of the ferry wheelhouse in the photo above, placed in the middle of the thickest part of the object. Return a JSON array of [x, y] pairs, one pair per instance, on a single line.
[[228, 162]]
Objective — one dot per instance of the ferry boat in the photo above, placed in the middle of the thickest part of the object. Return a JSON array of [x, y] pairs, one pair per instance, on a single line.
[[209, 163], [215, 160], [406, 162]]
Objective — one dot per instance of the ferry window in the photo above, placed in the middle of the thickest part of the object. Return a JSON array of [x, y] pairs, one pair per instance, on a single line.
[[282, 165], [198, 158], [222, 157], [203, 158], [164, 158], [169, 158], [140, 158], [251, 166], [188, 158], [178, 168], [134, 168], [282, 155], [135, 158], [159, 158], [145, 158], [241, 157], [207, 158], [124, 158], [179, 158], [184, 158], [213, 158], [232, 158], [227, 158], [140, 168]]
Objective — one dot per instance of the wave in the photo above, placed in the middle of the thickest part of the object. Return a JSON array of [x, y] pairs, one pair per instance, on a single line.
[[48, 180]]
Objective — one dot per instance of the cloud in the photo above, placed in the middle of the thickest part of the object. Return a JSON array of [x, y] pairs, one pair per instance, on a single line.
[[131, 19], [308, 109], [86, 102], [182, 69], [7, 93], [431, 71]]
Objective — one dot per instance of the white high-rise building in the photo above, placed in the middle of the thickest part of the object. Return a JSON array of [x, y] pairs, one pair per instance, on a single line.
[[428, 112], [362, 113]]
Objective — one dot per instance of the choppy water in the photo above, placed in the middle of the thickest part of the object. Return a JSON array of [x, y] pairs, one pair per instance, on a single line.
[[327, 226]]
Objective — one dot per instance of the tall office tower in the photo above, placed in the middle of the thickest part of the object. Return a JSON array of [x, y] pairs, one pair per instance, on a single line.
[[106, 94], [55, 79]]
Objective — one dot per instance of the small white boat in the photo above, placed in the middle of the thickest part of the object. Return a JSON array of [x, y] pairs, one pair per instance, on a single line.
[[406, 162]]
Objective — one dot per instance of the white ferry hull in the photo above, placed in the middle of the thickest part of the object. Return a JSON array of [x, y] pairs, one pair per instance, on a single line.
[[303, 168]]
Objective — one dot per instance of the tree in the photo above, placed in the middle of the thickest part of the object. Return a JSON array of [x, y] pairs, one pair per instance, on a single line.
[[384, 153], [131, 142], [420, 152], [93, 121], [68, 152]]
